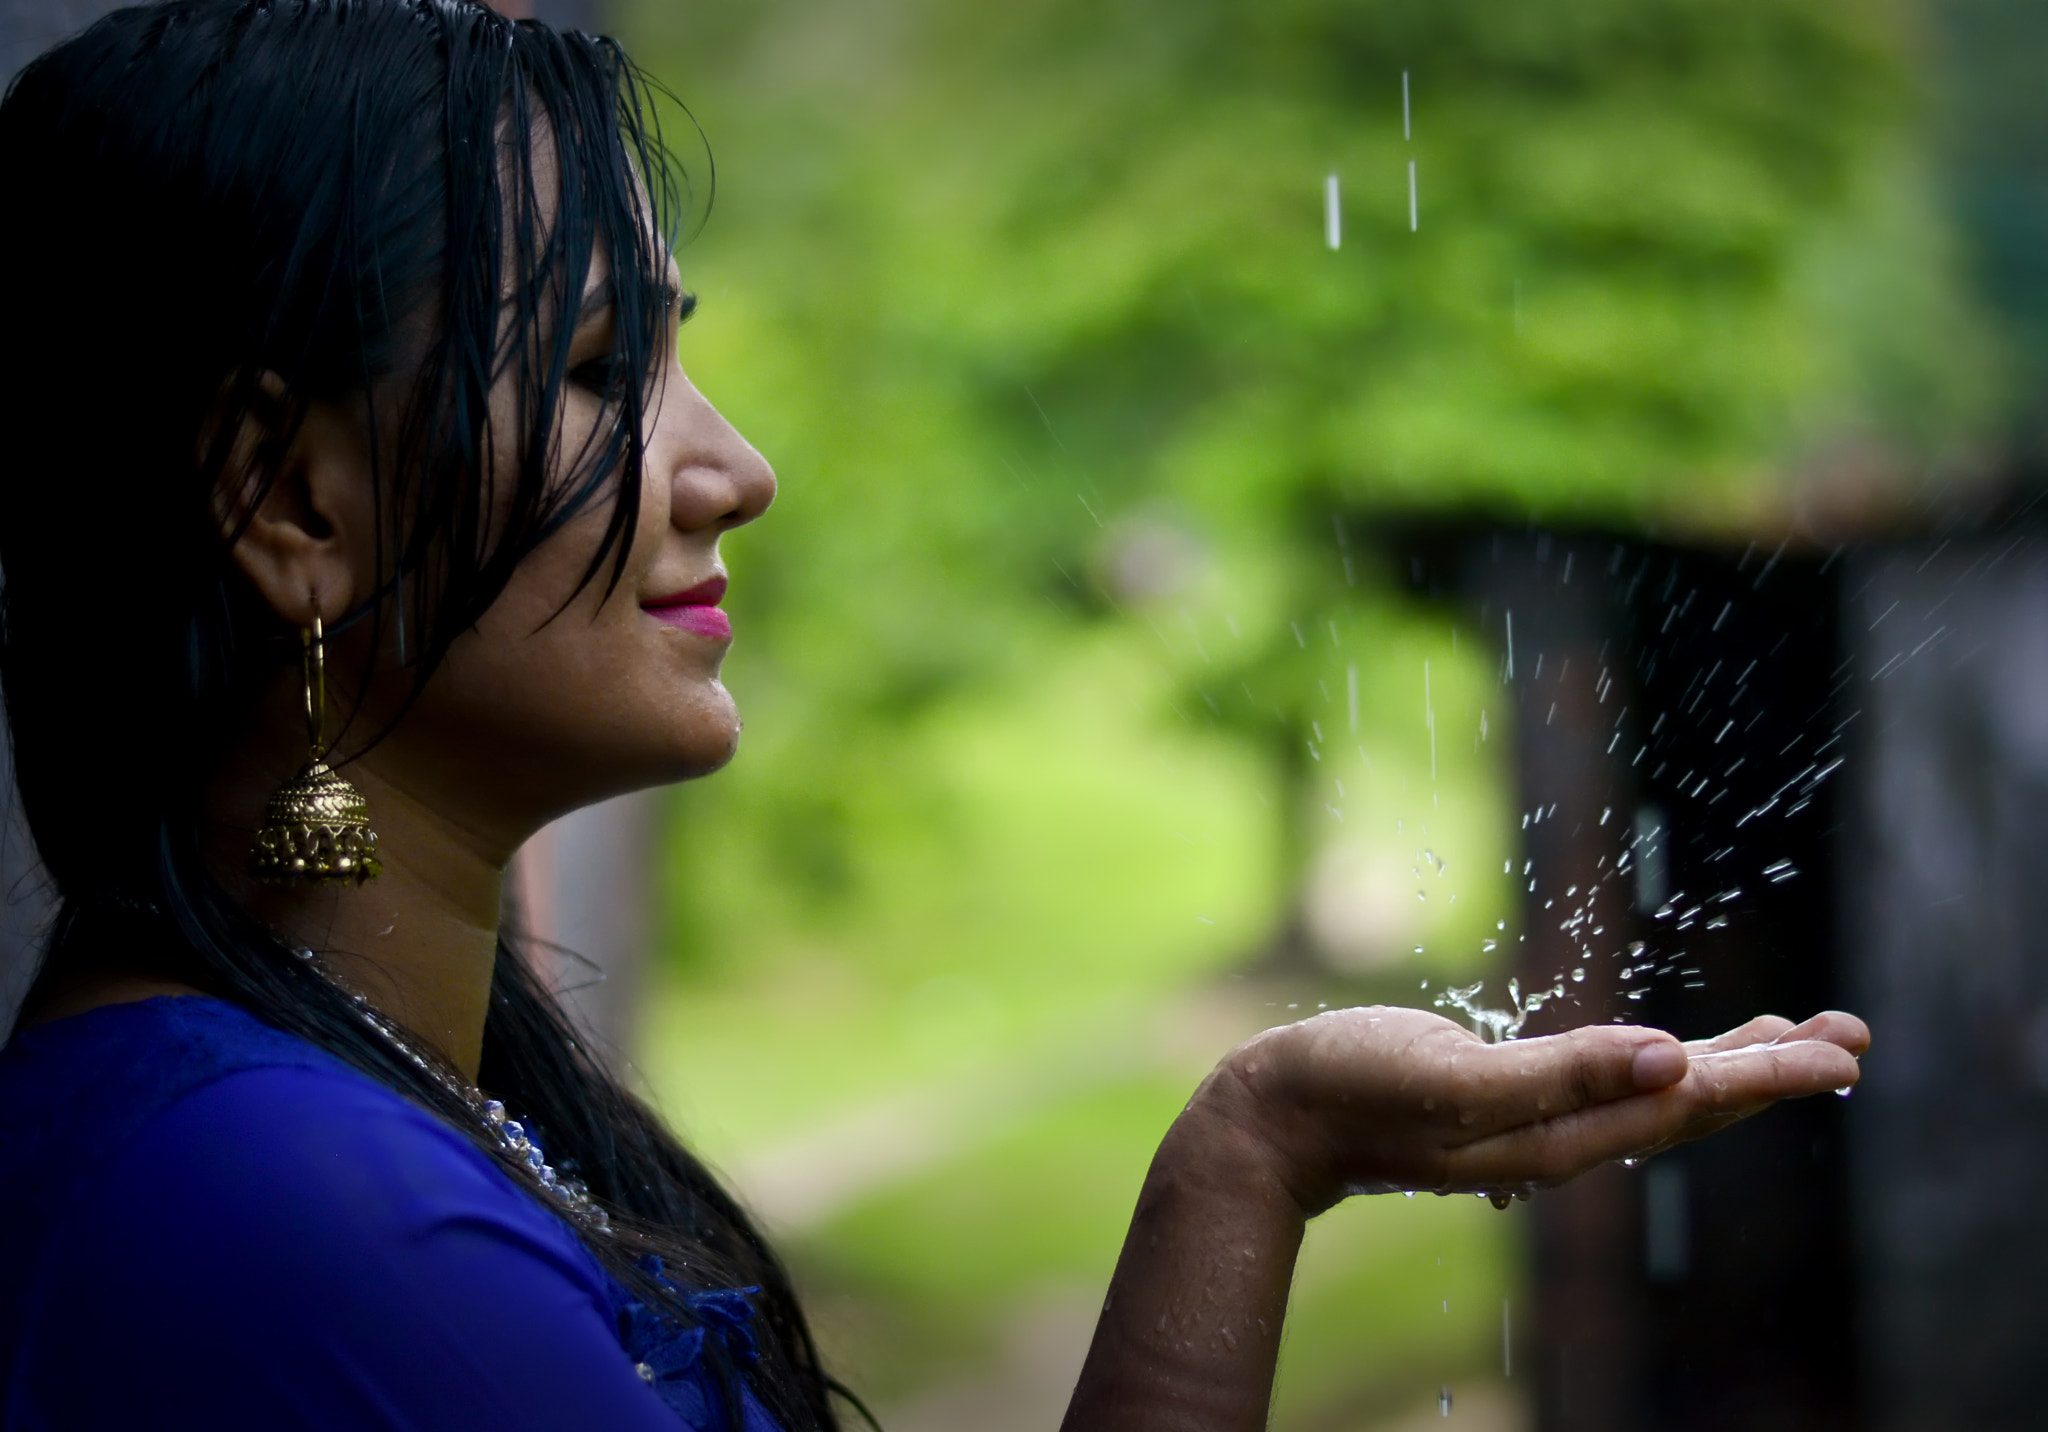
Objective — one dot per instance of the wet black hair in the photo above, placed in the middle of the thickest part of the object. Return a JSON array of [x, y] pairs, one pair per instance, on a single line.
[[220, 210]]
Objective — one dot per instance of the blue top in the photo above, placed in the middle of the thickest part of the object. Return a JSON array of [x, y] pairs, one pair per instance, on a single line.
[[208, 1223]]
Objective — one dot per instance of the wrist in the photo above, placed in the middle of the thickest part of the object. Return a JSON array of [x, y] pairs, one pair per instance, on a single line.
[[1224, 1145]]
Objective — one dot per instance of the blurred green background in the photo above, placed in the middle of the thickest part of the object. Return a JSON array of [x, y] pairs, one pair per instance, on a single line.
[[1086, 733]]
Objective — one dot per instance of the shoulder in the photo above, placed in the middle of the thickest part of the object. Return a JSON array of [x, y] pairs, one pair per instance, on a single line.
[[183, 1111], [290, 1244], [311, 1158], [304, 1183], [73, 1090]]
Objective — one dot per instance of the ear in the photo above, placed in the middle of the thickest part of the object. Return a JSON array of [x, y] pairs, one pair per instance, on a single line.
[[306, 539]]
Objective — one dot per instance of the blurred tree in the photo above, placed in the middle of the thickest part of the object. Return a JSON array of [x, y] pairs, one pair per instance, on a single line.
[[1036, 307]]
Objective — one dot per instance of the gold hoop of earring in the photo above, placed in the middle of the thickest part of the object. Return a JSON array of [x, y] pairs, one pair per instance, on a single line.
[[316, 828]]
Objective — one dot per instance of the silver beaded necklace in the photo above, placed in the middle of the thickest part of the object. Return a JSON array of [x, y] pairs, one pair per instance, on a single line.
[[508, 1133]]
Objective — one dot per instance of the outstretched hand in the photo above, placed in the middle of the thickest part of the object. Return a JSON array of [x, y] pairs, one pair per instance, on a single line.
[[1371, 1100], [1378, 1099]]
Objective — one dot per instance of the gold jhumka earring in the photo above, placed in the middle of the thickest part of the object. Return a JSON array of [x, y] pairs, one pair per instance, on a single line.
[[317, 826]]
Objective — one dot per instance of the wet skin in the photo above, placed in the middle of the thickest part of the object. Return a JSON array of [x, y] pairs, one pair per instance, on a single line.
[[1385, 1098]]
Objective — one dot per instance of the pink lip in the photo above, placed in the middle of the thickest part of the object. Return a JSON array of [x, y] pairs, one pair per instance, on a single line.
[[695, 610]]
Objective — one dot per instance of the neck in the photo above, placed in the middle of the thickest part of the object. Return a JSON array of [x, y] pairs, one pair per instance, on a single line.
[[420, 941]]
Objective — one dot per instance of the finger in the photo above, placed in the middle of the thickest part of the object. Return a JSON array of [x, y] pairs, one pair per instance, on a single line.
[[1717, 1090], [1762, 1030], [1835, 1027], [1763, 1073], [1542, 1154], [1832, 1025], [1528, 1080]]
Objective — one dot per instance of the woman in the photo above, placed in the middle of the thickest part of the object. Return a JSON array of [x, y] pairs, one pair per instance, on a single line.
[[353, 484]]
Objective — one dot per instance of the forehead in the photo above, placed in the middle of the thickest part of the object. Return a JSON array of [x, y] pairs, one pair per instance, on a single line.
[[532, 181]]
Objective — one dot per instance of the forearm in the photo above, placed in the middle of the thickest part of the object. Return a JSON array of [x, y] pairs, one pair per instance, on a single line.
[[1190, 1330]]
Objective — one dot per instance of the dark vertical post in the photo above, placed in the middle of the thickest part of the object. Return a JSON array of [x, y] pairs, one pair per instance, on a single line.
[[1946, 912], [1676, 730], [1745, 1254], [586, 892], [25, 903], [1554, 596]]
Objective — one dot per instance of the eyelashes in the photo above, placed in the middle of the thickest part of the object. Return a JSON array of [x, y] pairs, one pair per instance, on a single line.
[[607, 378]]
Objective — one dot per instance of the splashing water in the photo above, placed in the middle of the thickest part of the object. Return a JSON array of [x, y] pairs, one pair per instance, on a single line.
[[1496, 1025]]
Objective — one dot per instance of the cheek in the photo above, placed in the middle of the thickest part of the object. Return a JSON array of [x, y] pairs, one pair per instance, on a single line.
[[575, 695], [574, 712], [596, 664]]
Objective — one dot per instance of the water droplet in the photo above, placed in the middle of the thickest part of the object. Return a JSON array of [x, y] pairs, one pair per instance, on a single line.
[[1845, 1091], [1630, 1163]]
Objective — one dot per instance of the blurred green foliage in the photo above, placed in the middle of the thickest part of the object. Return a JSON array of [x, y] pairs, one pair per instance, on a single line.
[[1066, 654]]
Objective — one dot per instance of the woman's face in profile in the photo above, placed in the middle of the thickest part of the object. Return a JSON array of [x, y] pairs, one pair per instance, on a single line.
[[558, 696]]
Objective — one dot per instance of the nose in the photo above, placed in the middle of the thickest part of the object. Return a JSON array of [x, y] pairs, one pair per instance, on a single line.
[[717, 480]]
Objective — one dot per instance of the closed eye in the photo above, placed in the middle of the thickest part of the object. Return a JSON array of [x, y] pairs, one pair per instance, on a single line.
[[605, 376]]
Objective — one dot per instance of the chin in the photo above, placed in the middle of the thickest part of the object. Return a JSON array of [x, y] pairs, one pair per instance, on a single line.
[[702, 763], [710, 740], [646, 738]]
